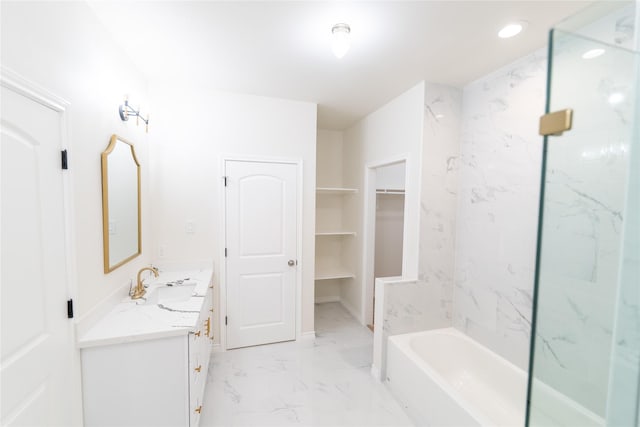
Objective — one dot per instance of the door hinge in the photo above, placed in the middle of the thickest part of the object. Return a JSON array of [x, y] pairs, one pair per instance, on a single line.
[[65, 162], [70, 309], [226, 320], [225, 180]]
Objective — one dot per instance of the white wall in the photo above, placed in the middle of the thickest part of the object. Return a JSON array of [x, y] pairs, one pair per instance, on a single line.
[[196, 127], [62, 47], [392, 131], [389, 230]]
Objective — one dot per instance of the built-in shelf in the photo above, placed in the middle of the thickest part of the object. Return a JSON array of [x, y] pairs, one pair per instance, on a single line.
[[389, 191], [334, 275], [336, 233], [335, 190]]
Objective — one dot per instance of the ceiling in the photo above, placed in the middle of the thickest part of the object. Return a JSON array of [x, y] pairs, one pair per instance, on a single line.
[[282, 49]]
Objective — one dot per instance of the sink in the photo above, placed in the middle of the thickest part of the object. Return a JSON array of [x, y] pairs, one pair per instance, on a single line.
[[164, 294]]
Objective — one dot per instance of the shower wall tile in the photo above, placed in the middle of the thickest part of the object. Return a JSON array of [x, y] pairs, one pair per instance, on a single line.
[[497, 206], [440, 156]]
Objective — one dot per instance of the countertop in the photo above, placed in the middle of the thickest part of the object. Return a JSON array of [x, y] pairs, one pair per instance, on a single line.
[[135, 320]]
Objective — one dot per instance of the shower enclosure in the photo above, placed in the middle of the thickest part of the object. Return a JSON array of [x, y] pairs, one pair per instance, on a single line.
[[585, 352]]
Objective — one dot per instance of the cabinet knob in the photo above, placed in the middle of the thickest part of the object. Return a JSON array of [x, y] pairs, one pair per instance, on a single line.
[[199, 409], [198, 369]]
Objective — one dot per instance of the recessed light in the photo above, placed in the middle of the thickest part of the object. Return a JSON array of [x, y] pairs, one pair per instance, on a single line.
[[512, 29], [439, 116], [616, 98], [593, 53]]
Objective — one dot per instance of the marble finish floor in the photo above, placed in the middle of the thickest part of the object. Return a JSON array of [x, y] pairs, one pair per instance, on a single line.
[[328, 383]]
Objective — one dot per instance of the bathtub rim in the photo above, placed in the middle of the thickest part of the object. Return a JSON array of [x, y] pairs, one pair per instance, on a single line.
[[403, 343]]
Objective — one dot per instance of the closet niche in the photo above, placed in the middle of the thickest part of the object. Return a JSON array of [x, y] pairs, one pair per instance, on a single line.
[[335, 263], [121, 221]]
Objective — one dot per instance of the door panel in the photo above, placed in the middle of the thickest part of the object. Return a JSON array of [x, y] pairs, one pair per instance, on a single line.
[[36, 335], [261, 204]]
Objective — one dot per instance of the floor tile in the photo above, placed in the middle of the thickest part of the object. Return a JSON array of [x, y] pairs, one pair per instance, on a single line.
[[325, 384]]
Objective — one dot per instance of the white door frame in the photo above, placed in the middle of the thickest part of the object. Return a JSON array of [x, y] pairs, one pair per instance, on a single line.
[[222, 301], [369, 231], [16, 83]]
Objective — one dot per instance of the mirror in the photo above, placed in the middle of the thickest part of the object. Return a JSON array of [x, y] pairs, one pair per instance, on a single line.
[[121, 221]]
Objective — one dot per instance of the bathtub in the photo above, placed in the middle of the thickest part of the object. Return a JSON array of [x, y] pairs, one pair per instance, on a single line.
[[444, 378]]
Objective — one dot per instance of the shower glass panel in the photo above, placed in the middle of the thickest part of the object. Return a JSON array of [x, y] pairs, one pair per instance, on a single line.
[[585, 352]]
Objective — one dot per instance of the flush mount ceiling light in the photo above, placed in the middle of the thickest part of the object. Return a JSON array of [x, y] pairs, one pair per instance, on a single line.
[[593, 53], [512, 29], [340, 39]]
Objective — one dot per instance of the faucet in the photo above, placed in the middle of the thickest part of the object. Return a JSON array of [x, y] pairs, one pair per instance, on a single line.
[[139, 291]]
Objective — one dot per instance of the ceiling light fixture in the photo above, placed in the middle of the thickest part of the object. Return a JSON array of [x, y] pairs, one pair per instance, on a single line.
[[340, 39], [616, 98], [512, 29], [593, 53]]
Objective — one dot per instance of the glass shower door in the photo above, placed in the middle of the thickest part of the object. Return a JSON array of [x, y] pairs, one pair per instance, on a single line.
[[586, 324]]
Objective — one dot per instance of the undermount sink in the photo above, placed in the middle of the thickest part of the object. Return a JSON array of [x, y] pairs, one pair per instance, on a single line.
[[164, 294]]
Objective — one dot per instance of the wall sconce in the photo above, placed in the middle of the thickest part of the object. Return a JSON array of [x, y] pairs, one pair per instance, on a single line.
[[126, 110]]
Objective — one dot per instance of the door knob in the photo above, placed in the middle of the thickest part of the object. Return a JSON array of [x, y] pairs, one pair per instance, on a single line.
[[291, 263]]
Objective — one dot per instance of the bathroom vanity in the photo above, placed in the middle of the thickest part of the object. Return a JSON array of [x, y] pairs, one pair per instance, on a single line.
[[145, 362]]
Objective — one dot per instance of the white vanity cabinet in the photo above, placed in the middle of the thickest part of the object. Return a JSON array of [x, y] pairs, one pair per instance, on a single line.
[[152, 374]]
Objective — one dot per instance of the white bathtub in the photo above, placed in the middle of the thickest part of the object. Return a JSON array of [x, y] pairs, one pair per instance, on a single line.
[[444, 378]]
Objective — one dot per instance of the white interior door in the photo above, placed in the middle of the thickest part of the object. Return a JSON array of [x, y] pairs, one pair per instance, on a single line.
[[36, 334], [261, 227]]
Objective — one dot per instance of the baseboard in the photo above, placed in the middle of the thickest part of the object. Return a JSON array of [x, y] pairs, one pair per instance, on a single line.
[[331, 298], [306, 337], [351, 311]]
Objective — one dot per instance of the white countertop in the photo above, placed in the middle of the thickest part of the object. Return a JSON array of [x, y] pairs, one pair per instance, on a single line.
[[132, 320]]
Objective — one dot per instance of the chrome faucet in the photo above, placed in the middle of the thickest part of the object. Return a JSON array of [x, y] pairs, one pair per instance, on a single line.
[[139, 291]]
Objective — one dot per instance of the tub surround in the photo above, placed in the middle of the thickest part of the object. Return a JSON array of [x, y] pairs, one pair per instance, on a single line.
[[135, 320], [440, 157], [497, 210], [400, 308]]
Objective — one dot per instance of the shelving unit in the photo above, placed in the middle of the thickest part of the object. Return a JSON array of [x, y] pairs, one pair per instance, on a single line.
[[335, 190], [335, 275], [336, 233], [329, 245], [335, 261]]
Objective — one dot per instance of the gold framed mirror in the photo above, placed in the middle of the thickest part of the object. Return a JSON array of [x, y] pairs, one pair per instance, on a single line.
[[121, 219]]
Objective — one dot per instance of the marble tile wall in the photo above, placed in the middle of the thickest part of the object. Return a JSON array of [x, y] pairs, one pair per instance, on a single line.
[[402, 306], [497, 207], [440, 157]]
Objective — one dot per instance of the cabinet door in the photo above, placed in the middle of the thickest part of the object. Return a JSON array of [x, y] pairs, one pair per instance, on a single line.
[[140, 383]]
